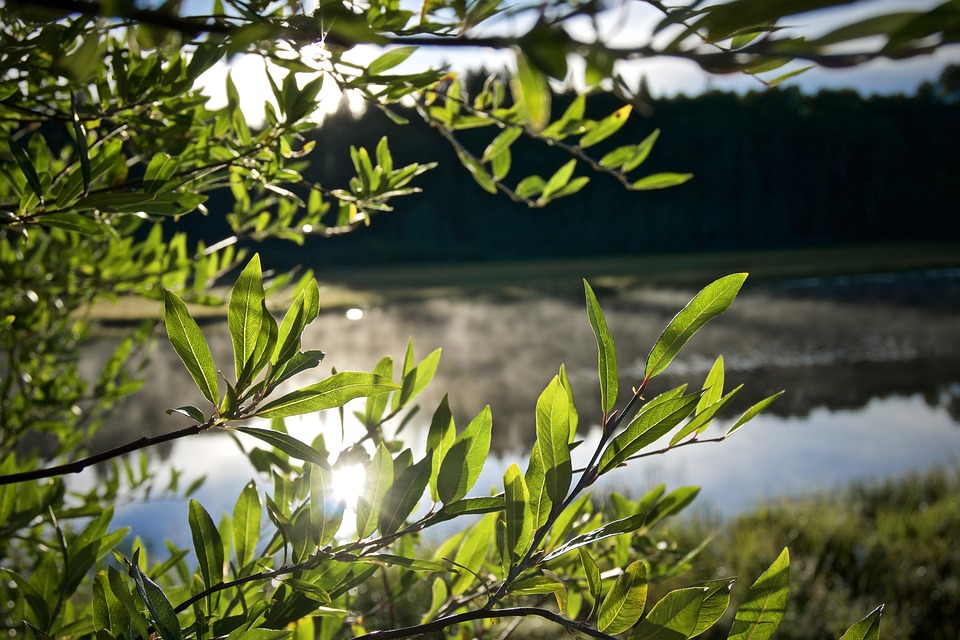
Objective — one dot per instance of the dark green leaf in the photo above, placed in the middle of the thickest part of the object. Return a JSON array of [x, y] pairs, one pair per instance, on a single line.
[[461, 466], [288, 444], [74, 222], [26, 166], [207, 544], [866, 629], [191, 346], [710, 302], [377, 481], [404, 495], [191, 412], [161, 611]]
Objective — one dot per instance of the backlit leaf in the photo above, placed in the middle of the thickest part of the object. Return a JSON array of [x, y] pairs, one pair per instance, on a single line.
[[647, 427], [190, 345], [710, 302], [161, 611], [517, 514], [606, 351], [606, 127], [244, 316], [286, 443], [335, 391], [377, 480], [615, 528], [531, 93], [461, 466], [675, 616], [326, 514], [390, 59], [753, 411], [207, 544], [660, 181], [624, 603], [762, 609], [246, 524], [553, 433]]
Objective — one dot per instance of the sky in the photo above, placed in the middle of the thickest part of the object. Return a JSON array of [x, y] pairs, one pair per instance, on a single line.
[[664, 77]]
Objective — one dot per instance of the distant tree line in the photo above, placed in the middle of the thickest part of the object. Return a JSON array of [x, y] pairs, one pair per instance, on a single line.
[[772, 168]]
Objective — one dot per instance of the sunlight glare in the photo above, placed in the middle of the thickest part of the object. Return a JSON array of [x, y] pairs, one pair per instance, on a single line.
[[348, 484]]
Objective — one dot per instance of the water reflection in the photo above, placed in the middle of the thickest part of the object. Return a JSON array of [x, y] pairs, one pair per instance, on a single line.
[[873, 386]]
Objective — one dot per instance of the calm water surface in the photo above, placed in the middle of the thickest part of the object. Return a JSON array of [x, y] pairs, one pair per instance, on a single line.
[[871, 365]]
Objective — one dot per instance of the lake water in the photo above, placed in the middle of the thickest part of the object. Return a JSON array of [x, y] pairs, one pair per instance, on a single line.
[[871, 366]]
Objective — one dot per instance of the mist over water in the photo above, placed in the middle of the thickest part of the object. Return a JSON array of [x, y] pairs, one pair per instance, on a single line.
[[871, 366]]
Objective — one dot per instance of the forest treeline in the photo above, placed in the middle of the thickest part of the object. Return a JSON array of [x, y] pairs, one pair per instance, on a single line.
[[772, 168]]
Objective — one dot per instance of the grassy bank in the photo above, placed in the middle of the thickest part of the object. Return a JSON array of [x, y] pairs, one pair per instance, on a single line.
[[891, 543], [363, 287]]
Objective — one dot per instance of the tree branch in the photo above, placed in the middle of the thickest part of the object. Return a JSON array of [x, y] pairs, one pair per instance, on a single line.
[[480, 614], [79, 465]]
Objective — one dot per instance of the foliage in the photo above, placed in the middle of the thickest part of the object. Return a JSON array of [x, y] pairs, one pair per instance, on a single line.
[[109, 145], [872, 542]]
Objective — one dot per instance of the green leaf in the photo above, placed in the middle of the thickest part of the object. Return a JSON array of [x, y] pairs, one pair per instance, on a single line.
[[335, 391], [675, 616], [404, 496], [762, 609], [517, 515], [80, 133], [606, 127], [191, 412], [288, 444], [440, 438], [416, 379], [390, 59], [476, 170], [615, 528], [606, 352], [592, 572], [712, 386], [74, 222], [190, 345], [247, 513], [468, 506], [641, 152], [660, 181], [714, 604], [710, 302], [326, 515], [161, 611], [753, 411], [558, 180], [652, 423], [26, 166], [207, 544], [501, 143], [624, 603], [161, 168], [553, 437], [703, 419], [245, 316], [461, 467], [866, 629], [531, 94], [377, 480]]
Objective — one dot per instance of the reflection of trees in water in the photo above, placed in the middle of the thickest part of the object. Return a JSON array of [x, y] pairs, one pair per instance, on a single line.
[[503, 351]]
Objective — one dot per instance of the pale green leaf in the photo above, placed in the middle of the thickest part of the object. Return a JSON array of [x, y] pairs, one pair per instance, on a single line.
[[553, 434], [647, 427], [377, 481], [517, 514], [335, 391], [390, 59], [326, 514], [660, 181], [606, 127], [531, 93], [753, 411], [244, 316]]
